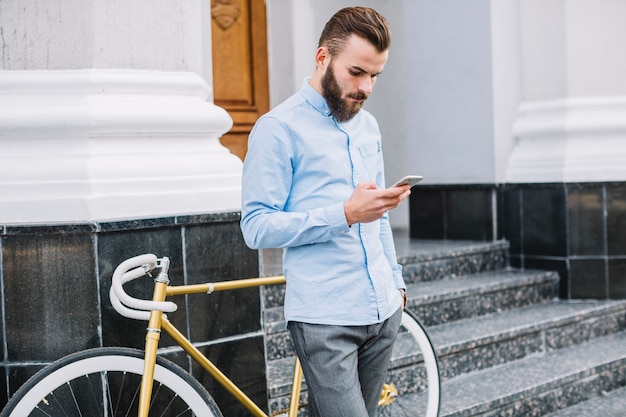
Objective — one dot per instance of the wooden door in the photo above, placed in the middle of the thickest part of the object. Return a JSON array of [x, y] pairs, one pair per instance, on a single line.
[[240, 75]]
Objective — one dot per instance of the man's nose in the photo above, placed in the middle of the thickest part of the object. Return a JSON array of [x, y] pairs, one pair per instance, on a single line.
[[366, 84]]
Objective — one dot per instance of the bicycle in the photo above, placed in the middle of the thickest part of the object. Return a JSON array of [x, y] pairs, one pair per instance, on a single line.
[[117, 381]]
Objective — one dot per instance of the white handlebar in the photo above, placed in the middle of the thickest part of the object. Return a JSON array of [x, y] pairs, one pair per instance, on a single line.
[[126, 305]]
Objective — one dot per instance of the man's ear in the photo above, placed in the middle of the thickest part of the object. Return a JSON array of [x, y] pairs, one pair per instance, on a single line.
[[322, 57]]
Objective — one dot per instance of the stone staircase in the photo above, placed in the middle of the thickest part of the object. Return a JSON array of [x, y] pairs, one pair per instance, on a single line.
[[506, 345]]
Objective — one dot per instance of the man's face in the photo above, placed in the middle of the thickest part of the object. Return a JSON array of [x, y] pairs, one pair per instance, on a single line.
[[350, 77]]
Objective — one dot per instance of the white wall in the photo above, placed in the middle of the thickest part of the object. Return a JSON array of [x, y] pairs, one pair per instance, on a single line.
[[507, 79], [450, 91]]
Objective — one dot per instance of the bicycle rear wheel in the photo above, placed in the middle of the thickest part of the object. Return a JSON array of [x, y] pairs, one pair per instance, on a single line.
[[413, 379], [105, 382]]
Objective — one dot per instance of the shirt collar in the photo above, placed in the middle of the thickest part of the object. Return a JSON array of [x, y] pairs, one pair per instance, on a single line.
[[314, 98]]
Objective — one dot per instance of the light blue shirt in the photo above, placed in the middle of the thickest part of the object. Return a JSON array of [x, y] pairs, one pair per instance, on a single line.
[[300, 167]]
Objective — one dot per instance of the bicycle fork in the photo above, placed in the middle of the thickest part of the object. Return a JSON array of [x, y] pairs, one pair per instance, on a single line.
[[153, 335]]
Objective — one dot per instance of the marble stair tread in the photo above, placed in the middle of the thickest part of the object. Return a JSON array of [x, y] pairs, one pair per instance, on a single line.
[[489, 281], [408, 251], [279, 376], [446, 300], [466, 335], [469, 333], [274, 320], [435, 261], [608, 404], [420, 250], [529, 378], [437, 291]]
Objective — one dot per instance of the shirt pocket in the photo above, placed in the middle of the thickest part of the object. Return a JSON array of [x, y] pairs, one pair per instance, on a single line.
[[370, 156]]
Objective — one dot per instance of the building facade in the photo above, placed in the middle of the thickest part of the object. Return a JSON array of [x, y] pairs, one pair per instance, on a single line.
[[514, 111]]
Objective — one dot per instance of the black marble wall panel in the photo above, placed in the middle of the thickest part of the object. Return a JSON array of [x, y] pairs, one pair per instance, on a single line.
[[616, 219], [57, 278], [575, 229], [616, 238], [588, 278], [239, 360], [119, 245], [453, 212], [51, 292], [586, 220], [214, 254], [427, 213], [544, 221], [617, 282], [3, 370], [468, 214], [510, 218]]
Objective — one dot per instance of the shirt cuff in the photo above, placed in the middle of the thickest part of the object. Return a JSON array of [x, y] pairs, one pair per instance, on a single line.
[[337, 219], [397, 277]]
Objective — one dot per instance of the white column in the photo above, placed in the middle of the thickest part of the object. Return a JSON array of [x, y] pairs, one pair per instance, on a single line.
[[82, 145], [571, 126], [106, 112]]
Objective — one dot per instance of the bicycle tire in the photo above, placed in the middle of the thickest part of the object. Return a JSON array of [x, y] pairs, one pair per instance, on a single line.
[[105, 382], [414, 372]]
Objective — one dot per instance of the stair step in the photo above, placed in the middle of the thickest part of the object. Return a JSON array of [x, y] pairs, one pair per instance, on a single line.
[[478, 343], [442, 301], [472, 345], [588, 376], [506, 344], [437, 302], [430, 260], [280, 373], [539, 384], [422, 260], [498, 336], [608, 404]]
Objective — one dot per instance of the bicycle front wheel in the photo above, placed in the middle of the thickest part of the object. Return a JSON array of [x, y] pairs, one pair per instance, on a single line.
[[105, 382], [413, 387]]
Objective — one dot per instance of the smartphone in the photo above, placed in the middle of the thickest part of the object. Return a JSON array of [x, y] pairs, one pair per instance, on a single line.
[[409, 179]]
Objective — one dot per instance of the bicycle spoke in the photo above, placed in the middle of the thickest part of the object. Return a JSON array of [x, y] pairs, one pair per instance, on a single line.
[[39, 409], [109, 394], [119, 394], [94, 395], [132, 402], [69, 387], [155, 395], [167, 407], [58, 403]]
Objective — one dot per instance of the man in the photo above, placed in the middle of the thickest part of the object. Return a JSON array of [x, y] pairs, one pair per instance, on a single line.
[[313, 184]]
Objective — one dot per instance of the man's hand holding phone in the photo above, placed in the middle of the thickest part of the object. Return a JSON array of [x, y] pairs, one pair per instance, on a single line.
[[368, 202]]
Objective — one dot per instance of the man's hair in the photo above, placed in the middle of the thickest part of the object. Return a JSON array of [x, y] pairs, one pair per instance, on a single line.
[[364, 22]]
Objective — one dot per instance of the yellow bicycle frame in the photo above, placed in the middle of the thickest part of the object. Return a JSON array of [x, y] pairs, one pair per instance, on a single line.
[[158, 322]]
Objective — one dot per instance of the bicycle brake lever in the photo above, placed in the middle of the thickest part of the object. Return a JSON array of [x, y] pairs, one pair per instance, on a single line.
[[164, 265]]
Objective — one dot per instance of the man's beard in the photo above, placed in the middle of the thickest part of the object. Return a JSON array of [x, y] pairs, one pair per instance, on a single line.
[[339, 107]]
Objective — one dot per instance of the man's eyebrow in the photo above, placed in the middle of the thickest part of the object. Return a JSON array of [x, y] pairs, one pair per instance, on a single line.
[[359, 69]]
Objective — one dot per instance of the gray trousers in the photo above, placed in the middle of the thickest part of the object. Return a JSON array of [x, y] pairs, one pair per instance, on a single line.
[[345, 366]]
